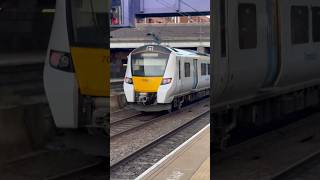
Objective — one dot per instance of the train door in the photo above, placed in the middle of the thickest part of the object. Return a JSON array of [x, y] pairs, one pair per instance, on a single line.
[[186, 74], [315, 29], [300, 41], [247, 35], [195, 73], [179, 69], [221, 56]]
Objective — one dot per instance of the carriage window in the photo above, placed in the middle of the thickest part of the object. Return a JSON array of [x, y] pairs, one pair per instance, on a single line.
[[299, 24], [316, 24], [247, 26], [203, 69], [186, 69], [209, 70], [223, 29]]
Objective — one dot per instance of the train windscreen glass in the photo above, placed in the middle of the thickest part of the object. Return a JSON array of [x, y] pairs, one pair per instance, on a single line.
[[89, 25], [149, 64]]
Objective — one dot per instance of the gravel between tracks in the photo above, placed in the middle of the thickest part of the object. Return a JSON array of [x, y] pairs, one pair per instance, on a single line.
[[124, 145], [144, 160], [269, 154], [122, 114]]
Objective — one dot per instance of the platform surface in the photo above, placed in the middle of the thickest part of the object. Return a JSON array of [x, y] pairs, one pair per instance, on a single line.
[[13, 59], [191, 160]]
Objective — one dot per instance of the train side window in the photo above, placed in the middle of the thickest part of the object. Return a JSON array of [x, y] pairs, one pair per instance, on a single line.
[[316, 24], [186, 69], [209, 70], [203, 69], [247, 21], [299, 24]]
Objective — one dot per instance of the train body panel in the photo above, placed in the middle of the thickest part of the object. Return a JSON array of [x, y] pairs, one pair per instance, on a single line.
[[249, 51], [157, 76], [91, 70], [255, 49], [54, 79], [300, 54], [129, 88]]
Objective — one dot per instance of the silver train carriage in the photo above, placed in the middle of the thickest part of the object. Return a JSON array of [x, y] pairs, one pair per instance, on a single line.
[[163, 78], [266, 61]]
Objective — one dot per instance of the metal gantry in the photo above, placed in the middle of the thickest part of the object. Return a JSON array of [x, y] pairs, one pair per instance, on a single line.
[[124, 12]]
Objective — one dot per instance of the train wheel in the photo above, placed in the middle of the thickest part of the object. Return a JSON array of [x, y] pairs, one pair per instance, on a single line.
[[176, 104]]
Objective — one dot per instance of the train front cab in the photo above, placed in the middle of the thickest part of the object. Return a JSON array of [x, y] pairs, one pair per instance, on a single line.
[[76, 68], [149, 78]]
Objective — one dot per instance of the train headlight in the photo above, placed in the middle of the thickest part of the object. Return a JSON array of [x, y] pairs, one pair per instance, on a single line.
[[128, 80], [61, 61], [166, 81]]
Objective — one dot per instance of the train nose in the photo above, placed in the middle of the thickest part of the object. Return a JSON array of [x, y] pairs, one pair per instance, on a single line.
[[146, 84]]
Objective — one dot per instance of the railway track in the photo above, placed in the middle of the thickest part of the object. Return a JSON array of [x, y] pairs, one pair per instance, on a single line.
[[123, 114], [94, 171], [307, 168], [283, 153], [56, 165], [130, 124], [149, 152]]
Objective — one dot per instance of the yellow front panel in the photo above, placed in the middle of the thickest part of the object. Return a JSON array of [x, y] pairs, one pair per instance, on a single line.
[[146, 84], [92, 70]]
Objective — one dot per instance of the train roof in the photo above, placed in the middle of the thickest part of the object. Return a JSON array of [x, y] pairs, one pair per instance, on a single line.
[[188, 52], [179, 52]]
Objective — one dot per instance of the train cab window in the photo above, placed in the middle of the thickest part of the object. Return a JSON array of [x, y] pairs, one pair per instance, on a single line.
[[299, 24], [186, 69], [316, 24], [89, 22], [149, 61], [247, 21], [209, 70], [203, 69]]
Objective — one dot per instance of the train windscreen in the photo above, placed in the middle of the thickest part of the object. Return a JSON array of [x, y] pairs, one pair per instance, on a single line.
[[89, 22], [150, 63]]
